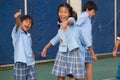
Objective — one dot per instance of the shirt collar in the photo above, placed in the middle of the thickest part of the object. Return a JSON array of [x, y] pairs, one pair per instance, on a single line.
[[87, 14], [24, 32]]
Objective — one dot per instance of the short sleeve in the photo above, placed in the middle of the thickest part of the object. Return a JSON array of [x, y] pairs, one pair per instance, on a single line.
[[55, 40], [71, 19], [13, 31], [118, 36], [81, 19]]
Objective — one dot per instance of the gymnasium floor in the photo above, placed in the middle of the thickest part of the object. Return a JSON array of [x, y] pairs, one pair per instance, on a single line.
[[103, 69]]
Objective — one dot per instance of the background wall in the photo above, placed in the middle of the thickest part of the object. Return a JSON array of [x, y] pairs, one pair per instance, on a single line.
[[118, 16]]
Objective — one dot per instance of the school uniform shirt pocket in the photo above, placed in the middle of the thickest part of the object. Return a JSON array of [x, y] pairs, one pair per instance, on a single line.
[[62, 48]]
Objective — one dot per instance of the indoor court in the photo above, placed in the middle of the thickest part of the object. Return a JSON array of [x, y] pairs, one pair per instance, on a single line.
[[106, 26]]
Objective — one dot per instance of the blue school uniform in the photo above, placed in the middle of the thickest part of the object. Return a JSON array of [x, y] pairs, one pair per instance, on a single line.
[[84, 22], [68, 59], [63, 35], [22, 47], [24, 64]]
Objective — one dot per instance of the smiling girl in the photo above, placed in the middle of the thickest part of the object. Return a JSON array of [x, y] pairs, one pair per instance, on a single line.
[[67, 62]]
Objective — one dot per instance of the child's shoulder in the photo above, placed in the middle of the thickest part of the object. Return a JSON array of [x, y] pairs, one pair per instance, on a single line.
[[83, 15], [71, 18]]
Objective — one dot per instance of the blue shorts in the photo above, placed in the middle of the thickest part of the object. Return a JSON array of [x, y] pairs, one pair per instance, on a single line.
[[24, 72], [88, 57]]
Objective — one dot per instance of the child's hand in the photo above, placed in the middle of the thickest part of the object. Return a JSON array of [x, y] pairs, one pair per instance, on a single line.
[[43, 54], [61, 41], [17, 14], [33, 55], [114, 53], [64, 25], [94, 57]]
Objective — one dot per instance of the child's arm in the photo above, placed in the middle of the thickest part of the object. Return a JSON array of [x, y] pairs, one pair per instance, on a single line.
[[87, 43], [43, 54], [64, 24], [71, 21], [92, 53], [115, 47], [53, 42], [33, 55], [81, 19], [17, 17]]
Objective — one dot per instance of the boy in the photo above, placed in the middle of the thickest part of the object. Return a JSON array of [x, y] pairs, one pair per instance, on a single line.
[[84, 22], [24, 63]]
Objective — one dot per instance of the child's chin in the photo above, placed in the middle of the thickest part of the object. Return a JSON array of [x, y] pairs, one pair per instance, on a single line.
[[25, 30]]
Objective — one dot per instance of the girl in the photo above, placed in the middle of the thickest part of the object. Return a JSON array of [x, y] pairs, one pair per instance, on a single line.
[[68, 61]]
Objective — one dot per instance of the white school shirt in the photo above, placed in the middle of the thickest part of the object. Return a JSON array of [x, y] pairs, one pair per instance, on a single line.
[[22, 46]]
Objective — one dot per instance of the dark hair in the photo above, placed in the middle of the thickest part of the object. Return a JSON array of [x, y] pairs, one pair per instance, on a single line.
[[22, 18], [70, 9], [89, 5], [118, 35], [74, 14]]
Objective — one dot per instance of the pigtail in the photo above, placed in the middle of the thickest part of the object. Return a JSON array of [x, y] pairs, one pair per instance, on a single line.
[[74, 14]]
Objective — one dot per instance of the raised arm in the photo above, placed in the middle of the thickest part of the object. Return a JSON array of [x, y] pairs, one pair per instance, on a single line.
[[71, 21], [67, 23], [17, 17]]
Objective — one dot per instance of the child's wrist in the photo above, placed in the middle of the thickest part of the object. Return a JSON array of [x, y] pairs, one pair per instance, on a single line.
[[45, 49], [115, 49]]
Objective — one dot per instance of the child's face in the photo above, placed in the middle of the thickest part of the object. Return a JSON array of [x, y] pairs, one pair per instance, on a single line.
[[63, 14], [91, 12], [26, 24]]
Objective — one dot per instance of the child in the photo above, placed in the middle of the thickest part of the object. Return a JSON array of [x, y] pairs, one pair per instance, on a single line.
[[84, 22], [116, 45], [24, 63], [68, 62], [114, 54]]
